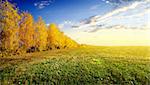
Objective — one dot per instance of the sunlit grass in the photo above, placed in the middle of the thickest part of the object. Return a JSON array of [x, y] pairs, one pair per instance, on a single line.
[[84, 65]]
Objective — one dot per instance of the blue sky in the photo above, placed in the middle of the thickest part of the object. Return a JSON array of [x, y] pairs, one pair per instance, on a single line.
[[58, 11]]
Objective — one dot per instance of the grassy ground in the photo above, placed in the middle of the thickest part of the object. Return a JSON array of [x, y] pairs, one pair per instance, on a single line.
[[79, 66]]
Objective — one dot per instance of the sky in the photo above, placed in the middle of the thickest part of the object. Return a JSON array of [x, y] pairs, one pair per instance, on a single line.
[[95, 22], [58, 11]]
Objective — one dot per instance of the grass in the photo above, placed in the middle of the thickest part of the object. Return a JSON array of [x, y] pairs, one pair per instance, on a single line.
[[89, 65]]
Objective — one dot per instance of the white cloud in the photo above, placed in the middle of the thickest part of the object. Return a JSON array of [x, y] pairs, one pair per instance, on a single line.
[[43, 3], [107, 2], [66, 24], [95, 7], [61, 26], [132, 14], [47, 24], [134, 5], [146, 11]]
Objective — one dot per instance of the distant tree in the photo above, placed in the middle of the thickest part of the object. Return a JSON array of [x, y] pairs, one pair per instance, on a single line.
[[26, 31], [69, 43], [57, 39], [40, 34], [9, 25], [53, 36], [62, 40]]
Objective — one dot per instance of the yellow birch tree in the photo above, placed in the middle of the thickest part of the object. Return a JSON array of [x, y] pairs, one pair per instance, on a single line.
[[40, 34], [9, 25], [53, 36], [26, 31]]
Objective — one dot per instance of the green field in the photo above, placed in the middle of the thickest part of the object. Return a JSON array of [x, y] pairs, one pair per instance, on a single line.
[[79, 66]]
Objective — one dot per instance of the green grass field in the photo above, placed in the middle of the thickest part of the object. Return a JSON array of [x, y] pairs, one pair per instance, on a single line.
[[79, 66]]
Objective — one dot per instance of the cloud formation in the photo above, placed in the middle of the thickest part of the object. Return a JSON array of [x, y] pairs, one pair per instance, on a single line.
[[124, 26], [43, 3], [118, 2], [66, 23], [134, 14]]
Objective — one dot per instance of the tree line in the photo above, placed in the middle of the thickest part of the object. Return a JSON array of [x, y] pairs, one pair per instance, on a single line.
[[20, 33]]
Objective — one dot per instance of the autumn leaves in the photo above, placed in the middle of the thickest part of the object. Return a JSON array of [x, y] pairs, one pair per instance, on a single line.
[[19, 32]]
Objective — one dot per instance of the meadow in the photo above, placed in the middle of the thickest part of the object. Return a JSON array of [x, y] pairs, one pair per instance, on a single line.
[[85, 65]]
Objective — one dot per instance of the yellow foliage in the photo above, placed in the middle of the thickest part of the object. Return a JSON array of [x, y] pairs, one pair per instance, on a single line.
[[26, 31], [40, 34], [53, 36], [57, 39], [9, 25]]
